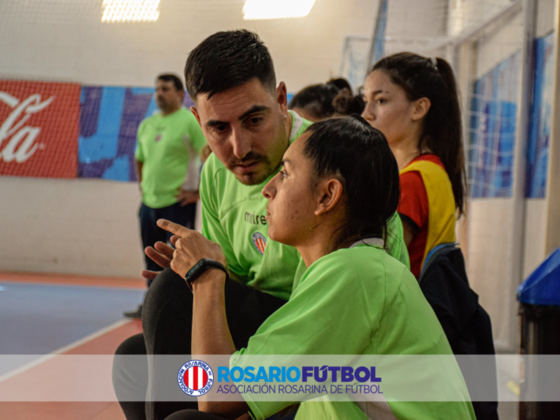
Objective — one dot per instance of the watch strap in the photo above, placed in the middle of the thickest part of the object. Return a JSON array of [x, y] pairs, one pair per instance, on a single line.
[[201, 267]]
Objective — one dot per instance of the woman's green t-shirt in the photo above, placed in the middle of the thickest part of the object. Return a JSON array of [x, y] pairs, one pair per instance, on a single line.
[[355, 301]]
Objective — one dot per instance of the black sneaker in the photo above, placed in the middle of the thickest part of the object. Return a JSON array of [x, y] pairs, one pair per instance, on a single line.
[[136, 313]]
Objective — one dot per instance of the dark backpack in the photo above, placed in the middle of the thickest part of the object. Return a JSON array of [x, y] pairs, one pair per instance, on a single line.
[[466, 324]]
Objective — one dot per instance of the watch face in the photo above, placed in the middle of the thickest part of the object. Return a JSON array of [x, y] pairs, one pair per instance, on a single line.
[[192, 272]]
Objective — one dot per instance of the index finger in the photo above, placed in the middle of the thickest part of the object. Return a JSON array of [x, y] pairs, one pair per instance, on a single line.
[[174, 228]]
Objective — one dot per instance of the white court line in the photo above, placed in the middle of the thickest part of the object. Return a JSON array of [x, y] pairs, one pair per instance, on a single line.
[[64, 349], [43, 283]]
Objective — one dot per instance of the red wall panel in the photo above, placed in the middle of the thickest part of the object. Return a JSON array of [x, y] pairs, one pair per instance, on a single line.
[[39, 129]]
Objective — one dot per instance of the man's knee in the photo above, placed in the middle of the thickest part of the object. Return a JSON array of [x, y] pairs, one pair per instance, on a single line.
[[193, 415], [130, 369], [132, 345], [166, 287], [168, 304], [164, 284]]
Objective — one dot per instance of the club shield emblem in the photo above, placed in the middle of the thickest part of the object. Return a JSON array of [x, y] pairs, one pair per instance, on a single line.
[[195, 378], [259, 241]]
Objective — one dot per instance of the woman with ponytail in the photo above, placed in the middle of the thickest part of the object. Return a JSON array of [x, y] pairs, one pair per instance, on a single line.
[[413, 100]]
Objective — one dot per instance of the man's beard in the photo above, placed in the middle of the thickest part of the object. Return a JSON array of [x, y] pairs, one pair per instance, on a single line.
[[251, 178]]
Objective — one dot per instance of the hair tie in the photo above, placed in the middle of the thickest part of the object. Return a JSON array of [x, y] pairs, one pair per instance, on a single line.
[[434, 62]]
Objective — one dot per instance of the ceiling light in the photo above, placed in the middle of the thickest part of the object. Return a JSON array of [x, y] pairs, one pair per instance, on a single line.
[[276, 9], [119, 11]]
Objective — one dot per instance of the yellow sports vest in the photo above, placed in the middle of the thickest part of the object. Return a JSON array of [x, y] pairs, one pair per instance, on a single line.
[[441, 203]]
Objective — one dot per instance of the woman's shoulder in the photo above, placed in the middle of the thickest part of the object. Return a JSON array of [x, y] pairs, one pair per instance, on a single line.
[[428, 163], [427, 171], [361, 263], [428, 157]]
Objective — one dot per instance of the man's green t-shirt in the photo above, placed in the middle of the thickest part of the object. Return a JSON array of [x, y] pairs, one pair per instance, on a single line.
[[168, 147], [359, 301], [233, 215]]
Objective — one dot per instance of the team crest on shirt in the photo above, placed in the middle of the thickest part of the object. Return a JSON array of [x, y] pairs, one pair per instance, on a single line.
[[195, 378], [259, 241], [158, 137]]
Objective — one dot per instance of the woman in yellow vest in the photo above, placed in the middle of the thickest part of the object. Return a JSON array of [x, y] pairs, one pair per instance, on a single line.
[[413, 101]]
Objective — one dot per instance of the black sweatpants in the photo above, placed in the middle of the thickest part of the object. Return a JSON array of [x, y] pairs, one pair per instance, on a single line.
[[151, 233], [193, 415], [167, 324]]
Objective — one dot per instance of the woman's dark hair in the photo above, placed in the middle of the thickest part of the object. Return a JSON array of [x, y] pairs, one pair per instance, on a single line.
[[327, 99], [316, 99], [226, 60], [358, 155], [345, 103], [340, 83], [422, 77]]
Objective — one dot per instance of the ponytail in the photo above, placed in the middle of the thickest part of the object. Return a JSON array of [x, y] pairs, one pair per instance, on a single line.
[[326, 100], [453, 153], [345, 103]]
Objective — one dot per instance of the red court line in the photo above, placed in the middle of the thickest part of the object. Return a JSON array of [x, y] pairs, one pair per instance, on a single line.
[[74, 280], [103, 344]]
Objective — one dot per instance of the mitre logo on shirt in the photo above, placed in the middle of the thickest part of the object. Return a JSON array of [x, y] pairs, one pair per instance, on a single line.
[[254, 218]]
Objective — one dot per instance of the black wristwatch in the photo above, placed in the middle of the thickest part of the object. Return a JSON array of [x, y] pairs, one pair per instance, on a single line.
[[200, 267]]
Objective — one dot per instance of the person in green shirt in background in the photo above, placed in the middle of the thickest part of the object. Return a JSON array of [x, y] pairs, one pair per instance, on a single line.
[[244, 115], [336, 191], [167, 151]]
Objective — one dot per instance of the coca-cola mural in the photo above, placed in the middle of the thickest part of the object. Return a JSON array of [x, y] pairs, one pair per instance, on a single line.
[[39, 129], [64, 130]]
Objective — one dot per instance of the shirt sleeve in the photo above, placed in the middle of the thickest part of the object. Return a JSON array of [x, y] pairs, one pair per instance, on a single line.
[[211, 226], [196, 137], [138, 153], [395, 240], [413, 204]]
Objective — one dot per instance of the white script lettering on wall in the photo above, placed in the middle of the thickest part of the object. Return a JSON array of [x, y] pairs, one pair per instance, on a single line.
[[17, 140]]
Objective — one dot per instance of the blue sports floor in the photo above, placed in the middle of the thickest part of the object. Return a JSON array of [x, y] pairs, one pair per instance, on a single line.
[[46, 314], [42, 318]]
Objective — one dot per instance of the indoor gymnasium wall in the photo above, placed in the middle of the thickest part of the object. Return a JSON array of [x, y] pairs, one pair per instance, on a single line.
[[537, 201], [426, 20], [493, 231], [491, 209], [63, 40], [89, 226]]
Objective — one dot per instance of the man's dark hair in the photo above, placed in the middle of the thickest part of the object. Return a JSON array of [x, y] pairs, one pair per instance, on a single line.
[[226, 60], [170, 77]]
